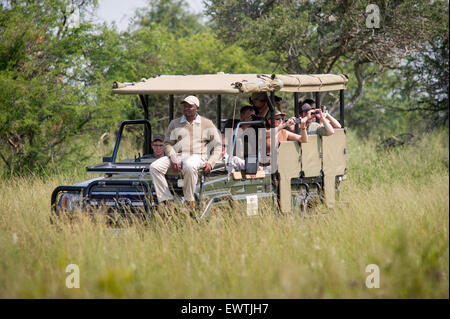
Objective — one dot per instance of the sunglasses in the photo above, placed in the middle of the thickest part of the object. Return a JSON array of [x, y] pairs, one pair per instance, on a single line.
[[279, 118], [158, 145]]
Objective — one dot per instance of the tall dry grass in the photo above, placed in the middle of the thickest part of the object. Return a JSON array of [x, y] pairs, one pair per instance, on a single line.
[[393, 212]]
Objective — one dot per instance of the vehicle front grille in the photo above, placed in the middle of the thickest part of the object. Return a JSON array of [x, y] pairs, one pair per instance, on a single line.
[[122, 197]]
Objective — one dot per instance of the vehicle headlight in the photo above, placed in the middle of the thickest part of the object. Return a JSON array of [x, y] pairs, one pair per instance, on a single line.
[[70, 201]]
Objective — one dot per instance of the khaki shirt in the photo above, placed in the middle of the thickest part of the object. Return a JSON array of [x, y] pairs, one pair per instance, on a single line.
[[316, 128], [200, 138]]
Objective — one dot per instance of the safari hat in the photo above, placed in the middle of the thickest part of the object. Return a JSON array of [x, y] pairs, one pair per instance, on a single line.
[[259, 96], [158, 137], [192, 100], [279, 113], [305, 107]]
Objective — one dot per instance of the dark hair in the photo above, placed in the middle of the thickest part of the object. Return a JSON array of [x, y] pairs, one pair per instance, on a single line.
[[246, 108], [309, 101]]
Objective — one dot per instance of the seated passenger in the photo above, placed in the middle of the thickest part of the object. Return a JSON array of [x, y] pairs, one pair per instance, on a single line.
[[259, 101], [323, 128], [278, 100], [334, 123], [284, 135], [246, 113], [157, 146], [186, 148]]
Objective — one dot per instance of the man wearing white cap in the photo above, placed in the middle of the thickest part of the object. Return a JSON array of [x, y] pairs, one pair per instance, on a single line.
[[192, 142]]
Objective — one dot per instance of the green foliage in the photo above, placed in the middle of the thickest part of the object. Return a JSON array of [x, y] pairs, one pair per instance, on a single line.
[[430, 88], [55, 81], [173, 14], [329, 36], [377, 111], [42, 101]]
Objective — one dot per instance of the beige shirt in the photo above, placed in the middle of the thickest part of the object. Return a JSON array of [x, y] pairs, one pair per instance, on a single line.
[[200, 138], [316, 128]]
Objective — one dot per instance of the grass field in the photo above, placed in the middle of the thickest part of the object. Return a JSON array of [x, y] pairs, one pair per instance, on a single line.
[[393, 212]]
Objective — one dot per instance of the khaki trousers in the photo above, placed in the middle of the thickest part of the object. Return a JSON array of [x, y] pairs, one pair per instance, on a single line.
[[191, 164]]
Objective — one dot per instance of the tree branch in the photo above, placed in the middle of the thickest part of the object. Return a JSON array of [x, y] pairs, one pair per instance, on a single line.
[[361, 80], [6, 162]]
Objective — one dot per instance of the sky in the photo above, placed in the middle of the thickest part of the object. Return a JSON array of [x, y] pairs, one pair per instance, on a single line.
[[121, 11]]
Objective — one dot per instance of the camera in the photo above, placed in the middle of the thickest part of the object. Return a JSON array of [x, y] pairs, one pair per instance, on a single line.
[[297, 120]]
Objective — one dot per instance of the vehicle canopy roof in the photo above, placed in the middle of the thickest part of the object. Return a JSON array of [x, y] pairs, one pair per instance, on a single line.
[[222, 83]]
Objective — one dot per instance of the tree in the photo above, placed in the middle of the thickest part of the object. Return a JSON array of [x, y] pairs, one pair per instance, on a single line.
[[426, 76], [168, 39], [42, 104], [318, 36], [173, 14]]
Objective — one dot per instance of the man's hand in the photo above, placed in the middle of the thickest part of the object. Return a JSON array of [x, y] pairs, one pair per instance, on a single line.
[[290, 122], [207, 168], [176, 166], [248, 118], [303, 122], [175, 163], [320, 115]]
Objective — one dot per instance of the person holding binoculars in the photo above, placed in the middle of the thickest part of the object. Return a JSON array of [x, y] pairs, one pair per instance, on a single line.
[[322, 128], [334, 123]]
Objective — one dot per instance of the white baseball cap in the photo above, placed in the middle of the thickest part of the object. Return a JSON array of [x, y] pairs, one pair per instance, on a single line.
[[192, 100]]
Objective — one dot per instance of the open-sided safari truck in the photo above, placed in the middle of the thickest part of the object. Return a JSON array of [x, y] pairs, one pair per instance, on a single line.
[[310, 170]]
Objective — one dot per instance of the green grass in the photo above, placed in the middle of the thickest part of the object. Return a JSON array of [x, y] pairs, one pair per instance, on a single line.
[[393, 212]]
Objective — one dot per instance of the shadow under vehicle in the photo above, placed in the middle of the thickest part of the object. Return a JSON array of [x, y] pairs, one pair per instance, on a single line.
[[306, 172]]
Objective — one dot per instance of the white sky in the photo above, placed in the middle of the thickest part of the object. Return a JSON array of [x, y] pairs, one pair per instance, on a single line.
[[121, 11]]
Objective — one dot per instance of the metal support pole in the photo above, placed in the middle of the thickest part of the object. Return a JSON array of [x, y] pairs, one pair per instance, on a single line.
[[341, 107], [146, 109], [147, 133], [317, 99], [273, 148], [146, 148], [171, 102], [296, 112], [219, 111], [272, 109]]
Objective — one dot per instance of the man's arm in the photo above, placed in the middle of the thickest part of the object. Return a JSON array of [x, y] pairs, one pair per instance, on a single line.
[[328, 128], [216, 143], [334, 123], [285, 125], [303, 137], [168, 147]]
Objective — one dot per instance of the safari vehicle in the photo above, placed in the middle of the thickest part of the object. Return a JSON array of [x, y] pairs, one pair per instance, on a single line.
[[312, 170]]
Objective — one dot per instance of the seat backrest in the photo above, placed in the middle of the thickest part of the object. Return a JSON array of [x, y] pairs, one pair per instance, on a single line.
[[334, 158], [288, 167], [310, 156], [333, 164]]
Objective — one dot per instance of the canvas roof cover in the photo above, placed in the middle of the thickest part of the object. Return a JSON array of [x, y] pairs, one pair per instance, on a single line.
[[222, 83]]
